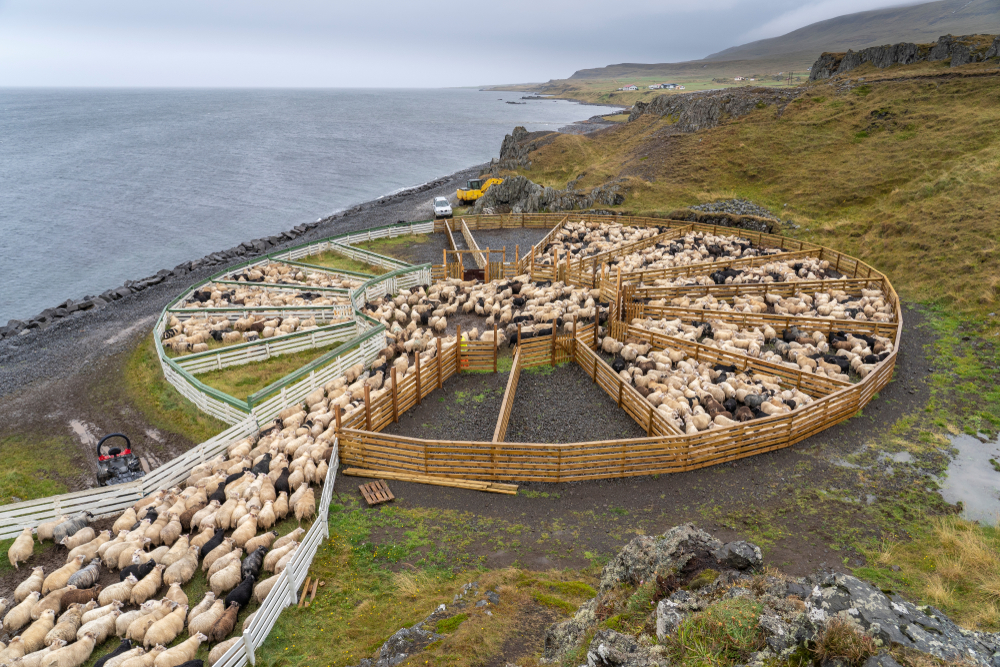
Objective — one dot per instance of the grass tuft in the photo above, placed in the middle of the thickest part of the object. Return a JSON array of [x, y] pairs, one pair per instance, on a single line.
[[843, 641]]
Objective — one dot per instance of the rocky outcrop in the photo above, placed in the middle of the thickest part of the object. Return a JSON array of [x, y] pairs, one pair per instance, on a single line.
[[961, 50], [686, 572], [697, 111], [514, 151], [518, 194]]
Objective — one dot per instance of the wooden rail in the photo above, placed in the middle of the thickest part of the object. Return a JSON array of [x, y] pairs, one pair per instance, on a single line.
[[507, 405]]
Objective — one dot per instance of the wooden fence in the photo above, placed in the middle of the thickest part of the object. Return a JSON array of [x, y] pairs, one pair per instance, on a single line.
[[507, 405]]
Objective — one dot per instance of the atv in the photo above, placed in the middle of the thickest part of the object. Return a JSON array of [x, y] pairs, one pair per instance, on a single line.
[[118, 466]]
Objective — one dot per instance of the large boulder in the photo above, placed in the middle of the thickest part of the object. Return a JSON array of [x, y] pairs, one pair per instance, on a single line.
[[613, 649]]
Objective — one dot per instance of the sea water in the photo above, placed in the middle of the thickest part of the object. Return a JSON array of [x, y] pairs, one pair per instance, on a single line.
[[101, 186]]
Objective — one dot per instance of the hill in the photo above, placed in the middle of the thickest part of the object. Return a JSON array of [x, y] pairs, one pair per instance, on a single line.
[[916, 23]]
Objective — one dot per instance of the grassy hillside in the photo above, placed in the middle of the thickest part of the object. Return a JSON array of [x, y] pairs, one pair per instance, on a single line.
[[916, 23], [903, 174]]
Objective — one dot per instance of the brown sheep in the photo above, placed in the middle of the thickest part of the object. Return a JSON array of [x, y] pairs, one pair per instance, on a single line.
[[182, 571], [181, 653], [147, 587], [223, 627], [73, 655], [33, 638], [58, 579], [226, 579], [80, 537], [21, 549], [101, 627], [77, 596], [19, 616], [121, 591], [167, 628], [32, 584]]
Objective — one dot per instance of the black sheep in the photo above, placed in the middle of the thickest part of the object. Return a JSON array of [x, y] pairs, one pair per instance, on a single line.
[[219, 494], [281, 484], [152, 515], [251, 564], [220, 534], [262, 466], [139, 571], [192, 663], [235, 476], [618, 365], [242, 593], [126, 645]]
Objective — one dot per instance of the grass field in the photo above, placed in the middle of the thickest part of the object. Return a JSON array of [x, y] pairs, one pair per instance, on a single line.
[[242, 381], [334, 260]]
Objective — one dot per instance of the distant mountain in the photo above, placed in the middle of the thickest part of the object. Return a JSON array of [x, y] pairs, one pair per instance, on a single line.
[[922, 23], [916, 23]]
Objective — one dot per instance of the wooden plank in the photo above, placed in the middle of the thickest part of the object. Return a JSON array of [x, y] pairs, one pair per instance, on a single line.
[[508, 489]]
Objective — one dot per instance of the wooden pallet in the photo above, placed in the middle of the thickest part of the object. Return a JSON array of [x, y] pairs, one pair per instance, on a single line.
[[473, 484], [376, 492]]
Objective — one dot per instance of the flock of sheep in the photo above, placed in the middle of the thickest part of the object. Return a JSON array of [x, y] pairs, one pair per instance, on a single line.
[[198, 334], [221, 523], [279, 273], [279, 296]]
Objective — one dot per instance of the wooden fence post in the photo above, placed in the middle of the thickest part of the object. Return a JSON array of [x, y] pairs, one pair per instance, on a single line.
[[418, 377], [576, 321], [439, 382], [519, 333], [494, 347], [649, 427], [553, 343], [337, 417], [458, 349], [368, 408], [395, 412]]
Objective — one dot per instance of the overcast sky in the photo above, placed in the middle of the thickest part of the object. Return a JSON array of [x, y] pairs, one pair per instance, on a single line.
[[389, 43]]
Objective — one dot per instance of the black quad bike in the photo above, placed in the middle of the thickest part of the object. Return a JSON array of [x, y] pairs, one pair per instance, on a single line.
[[118, 466]]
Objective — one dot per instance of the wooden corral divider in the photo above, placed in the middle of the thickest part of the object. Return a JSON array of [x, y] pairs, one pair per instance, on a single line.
[[507, 405], [647, 276], [470, 241]]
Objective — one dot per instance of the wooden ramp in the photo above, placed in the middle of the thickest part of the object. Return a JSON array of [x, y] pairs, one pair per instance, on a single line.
[[474, 484]]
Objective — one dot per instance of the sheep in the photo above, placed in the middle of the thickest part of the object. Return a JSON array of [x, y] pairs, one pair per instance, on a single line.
[[281, 506], [45, 530], [186, 650], [4, 605], [167, 628], [111, 556], [215, 554], [206, 602], [119, 539], [263, 540], [71, 526], [80, 537], [60, 577], [294, 536], [305, 508], [138, 568], [123, 648], [226, 579], [21, 549], [276, 554], [261, 590], [33, 638], [223, 627], [125, 621], [172, 531], [176, 551], [12, 652], [89, 549], [121, 591], [35, 659], [74, 595], [203, 513], [182, 571], [253, 562], [143, 659], [66, 626], [176, 594], [217, 538], [283, 563], [19, 616], [97, 612], [51, 601], [223, 562], [220, 650], [245, 531], [73, 655], [33, 584], [243, 592], [137, 629], [206, 619], [101, 627], [147, 587], [86, 577]]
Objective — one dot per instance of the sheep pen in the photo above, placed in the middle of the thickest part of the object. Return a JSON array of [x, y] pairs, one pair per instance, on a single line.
[[719, 343]]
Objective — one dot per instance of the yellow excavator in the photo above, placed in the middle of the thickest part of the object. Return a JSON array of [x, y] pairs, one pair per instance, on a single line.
[[475, 189]]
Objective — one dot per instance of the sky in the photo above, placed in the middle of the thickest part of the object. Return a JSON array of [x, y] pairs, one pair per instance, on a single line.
[[372, 43]]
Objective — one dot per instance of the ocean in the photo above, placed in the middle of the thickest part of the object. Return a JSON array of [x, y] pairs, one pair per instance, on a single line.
[[101, 186]]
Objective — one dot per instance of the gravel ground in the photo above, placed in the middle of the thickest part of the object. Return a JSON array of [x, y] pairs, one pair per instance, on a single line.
[[465, 408], [564, 405], [496, 239], [422, 253]]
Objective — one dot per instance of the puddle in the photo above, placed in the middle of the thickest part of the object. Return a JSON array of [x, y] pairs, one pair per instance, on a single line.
[[900, 457], [82, 432], [971, 479]]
